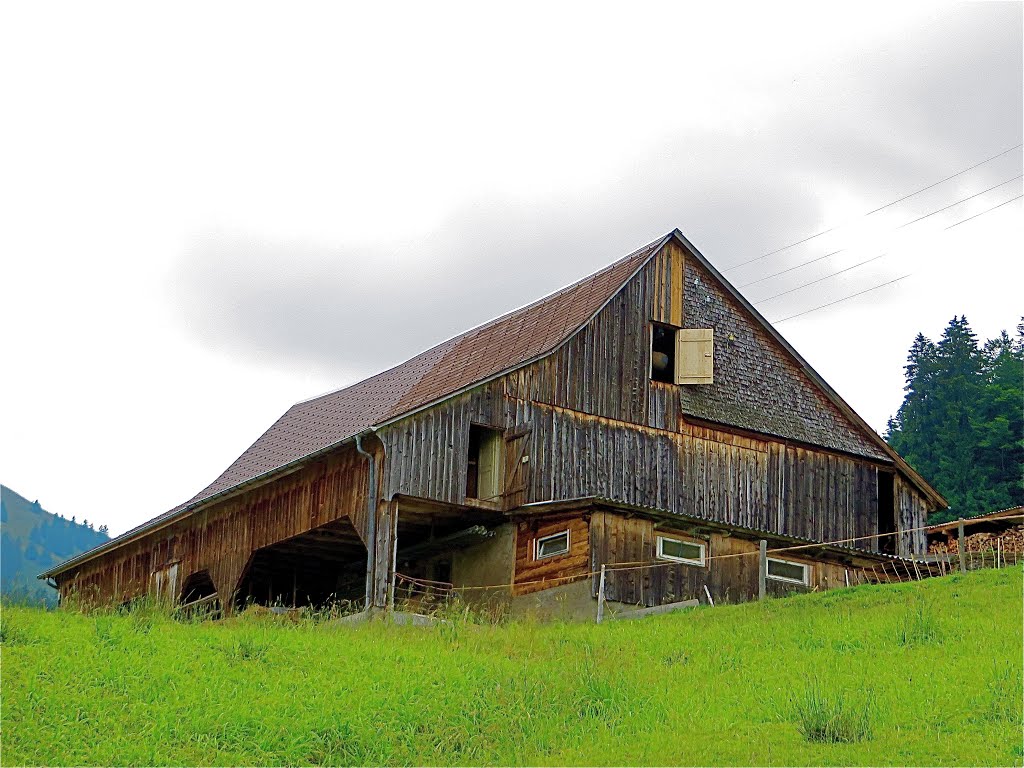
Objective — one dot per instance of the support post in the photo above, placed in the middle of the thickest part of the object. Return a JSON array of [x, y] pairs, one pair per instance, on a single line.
[[762, 570], [600, 597], [960, 545], [394, 556]]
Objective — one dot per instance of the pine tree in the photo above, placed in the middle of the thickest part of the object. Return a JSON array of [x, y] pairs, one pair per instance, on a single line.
[[961, 423]]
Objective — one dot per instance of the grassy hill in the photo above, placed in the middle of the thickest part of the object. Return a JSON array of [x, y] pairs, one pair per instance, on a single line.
[[32, 540], [915, 674]]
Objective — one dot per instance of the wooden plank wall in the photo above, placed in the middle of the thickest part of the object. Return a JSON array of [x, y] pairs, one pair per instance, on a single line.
[[911, 514], [222, 538], [730, 573], [426, 454], [530, 573], [750, 482]]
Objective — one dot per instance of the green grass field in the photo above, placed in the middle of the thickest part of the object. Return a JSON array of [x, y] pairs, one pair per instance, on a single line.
[[915, 674]]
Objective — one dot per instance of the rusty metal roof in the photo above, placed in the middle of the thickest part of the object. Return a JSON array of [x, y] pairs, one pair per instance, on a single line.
[[477, 355]]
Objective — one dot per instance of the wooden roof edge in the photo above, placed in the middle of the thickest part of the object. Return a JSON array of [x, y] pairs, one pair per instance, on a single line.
[[1002, 514], [916, 479]]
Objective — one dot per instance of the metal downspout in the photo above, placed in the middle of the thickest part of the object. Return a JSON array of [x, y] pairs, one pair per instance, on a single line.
[[371, 526]]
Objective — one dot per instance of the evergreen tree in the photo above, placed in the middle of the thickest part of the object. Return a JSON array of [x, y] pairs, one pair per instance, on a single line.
[[961, 424]]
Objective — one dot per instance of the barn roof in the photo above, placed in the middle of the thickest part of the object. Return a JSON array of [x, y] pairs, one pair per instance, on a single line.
[[315, 426]]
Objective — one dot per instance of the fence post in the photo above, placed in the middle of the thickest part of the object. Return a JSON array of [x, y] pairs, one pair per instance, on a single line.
[[600, 596], [762, 570], [960, 545]]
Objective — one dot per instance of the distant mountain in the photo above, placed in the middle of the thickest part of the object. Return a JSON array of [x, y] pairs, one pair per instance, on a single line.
[[32, 540]]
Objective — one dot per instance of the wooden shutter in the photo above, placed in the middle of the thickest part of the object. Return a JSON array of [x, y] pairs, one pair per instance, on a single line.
[[695, 356]]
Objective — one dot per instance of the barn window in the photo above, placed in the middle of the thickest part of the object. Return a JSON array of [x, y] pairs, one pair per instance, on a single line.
[[552, 546], [663, 353], [788, 571], [681, 550], [695, 356], [484, 468]]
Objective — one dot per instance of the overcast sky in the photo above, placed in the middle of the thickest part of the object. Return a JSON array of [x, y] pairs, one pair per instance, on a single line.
[[211, 211]]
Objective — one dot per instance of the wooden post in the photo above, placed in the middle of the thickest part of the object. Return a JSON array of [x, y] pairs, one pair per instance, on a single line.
[[960, 545], [708, 593], [762, 570], [846, 576], [394, 557], [600, 597], [999, 551]]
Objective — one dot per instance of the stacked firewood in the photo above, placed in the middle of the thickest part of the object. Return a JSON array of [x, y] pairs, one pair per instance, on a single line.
[[1010, 540]]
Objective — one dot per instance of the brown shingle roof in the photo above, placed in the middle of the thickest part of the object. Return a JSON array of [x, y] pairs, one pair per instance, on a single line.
[[476, 355]]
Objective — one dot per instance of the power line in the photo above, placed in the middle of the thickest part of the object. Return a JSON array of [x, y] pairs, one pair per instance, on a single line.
[[869, 213], [845, 298], [987, 210], [901, 226], [882, 285], [821, 279]]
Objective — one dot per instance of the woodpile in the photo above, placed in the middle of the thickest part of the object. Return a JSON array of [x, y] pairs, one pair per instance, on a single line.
[[1010, 540]]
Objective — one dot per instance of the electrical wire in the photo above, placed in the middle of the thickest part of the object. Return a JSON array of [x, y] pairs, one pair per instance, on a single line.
[[838, 301], [890, 282], [879, 256], [821, 279], [901, 226], [987, 210], [869, 213]]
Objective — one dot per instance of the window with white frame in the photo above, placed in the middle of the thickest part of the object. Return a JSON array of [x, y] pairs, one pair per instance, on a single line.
[[551, 546], [681, 550], [788, 571]]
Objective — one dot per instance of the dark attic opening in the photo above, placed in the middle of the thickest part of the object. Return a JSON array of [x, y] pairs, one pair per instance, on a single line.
[[886, 514], [484, 462], [663, 353], [320, 568]]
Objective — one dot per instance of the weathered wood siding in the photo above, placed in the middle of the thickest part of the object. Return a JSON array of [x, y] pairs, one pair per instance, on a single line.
[[221, 538], [426, 453], [911, 514], [730, 572], [532, 575]]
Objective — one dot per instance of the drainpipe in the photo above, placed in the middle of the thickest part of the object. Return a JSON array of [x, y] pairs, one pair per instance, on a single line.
[[371, 527]]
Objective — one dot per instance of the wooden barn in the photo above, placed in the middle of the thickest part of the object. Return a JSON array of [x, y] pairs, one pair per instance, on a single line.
[[646, 415]]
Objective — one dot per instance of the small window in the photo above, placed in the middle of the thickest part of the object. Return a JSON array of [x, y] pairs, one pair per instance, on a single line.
[[788, 571], [680, 550], [484, 463], [663, 353], [552, 546]]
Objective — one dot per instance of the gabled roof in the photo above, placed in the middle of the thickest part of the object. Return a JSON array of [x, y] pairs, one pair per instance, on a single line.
[[314, 427], [475, 356], [919, 482]]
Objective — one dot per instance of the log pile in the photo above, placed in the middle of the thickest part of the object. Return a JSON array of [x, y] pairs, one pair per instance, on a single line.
[[1010, 540]]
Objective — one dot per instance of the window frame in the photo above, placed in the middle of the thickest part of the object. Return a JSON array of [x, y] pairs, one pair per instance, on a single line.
[[684, 560], [541, 539], [785, 579], [673, 333]]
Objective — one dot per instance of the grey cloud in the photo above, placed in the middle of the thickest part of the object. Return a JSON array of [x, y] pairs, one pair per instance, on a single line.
[[941, 98]]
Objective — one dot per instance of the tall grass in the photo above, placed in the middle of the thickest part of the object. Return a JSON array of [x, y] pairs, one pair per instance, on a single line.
[[915, 674], [831, 715]]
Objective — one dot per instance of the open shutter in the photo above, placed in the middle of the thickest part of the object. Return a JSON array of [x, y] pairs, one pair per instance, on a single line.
[[695, 356]]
